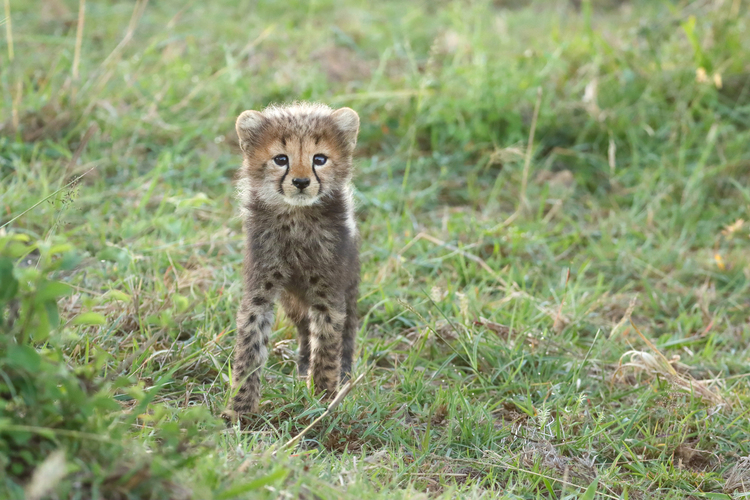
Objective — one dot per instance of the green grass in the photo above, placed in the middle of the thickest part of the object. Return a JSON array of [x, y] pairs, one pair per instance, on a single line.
[[500, 346]]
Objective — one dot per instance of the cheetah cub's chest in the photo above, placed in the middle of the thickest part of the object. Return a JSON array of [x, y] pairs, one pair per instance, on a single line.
[[302, 242]]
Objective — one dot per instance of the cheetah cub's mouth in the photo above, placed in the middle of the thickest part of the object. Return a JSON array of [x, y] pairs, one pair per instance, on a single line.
[[301, 199]]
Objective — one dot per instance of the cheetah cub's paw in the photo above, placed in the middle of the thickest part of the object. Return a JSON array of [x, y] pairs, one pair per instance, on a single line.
[[230, 416]]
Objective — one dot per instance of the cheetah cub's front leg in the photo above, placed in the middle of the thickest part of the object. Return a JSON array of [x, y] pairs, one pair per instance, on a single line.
[[326, 333], [254, 321]]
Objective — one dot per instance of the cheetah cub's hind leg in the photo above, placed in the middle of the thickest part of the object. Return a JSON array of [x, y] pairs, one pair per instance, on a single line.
[[299, 312], [349, 334], [327, 319]]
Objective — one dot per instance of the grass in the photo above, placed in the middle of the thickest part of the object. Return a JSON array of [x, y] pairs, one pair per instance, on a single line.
[[562, 318]]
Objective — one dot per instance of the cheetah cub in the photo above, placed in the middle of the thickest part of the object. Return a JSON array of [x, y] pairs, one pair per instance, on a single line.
[[302, 243]]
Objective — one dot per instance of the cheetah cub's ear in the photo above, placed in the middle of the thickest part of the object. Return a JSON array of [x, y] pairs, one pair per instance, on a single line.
[[347, 121], [249, 126]]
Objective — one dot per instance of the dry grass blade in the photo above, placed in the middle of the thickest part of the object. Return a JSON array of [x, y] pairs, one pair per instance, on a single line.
[[529, 149], [79, 150], [522, 201], [625, 317], [47, 475], [653, 365], [559, 324], [8, 30], [664, 359], [138, 10], [739, 477], [79, 38], [658, 364]]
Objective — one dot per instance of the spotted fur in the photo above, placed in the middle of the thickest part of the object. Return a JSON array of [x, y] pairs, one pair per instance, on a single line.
[[302, 243]]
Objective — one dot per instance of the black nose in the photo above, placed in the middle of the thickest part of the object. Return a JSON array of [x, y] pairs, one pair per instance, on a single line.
[[301, 183]]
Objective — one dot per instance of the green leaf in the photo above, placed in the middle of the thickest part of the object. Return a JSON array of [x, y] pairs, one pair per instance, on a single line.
[[180, 302], [54, 317], [47, 322], [20, 237], [69, 261], [548, 485], [23, 356], [43, 327], [590, 491], [689, 28], [8, 282], [61, 248], [52, 290], [278, 474], [89, 318], [114, 254], [117, 295], [17, 250]]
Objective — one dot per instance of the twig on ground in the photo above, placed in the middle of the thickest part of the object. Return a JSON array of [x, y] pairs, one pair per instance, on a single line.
[[336, 401]]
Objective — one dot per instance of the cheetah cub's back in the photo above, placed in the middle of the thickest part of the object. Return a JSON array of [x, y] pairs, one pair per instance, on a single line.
[[301, 242]]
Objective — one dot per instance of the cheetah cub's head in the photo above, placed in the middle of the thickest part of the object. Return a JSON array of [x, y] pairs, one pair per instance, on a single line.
[[297, 154]]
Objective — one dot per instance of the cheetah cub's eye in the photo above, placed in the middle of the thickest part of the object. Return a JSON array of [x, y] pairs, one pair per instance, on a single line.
[[281, 160], [320, 160]]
